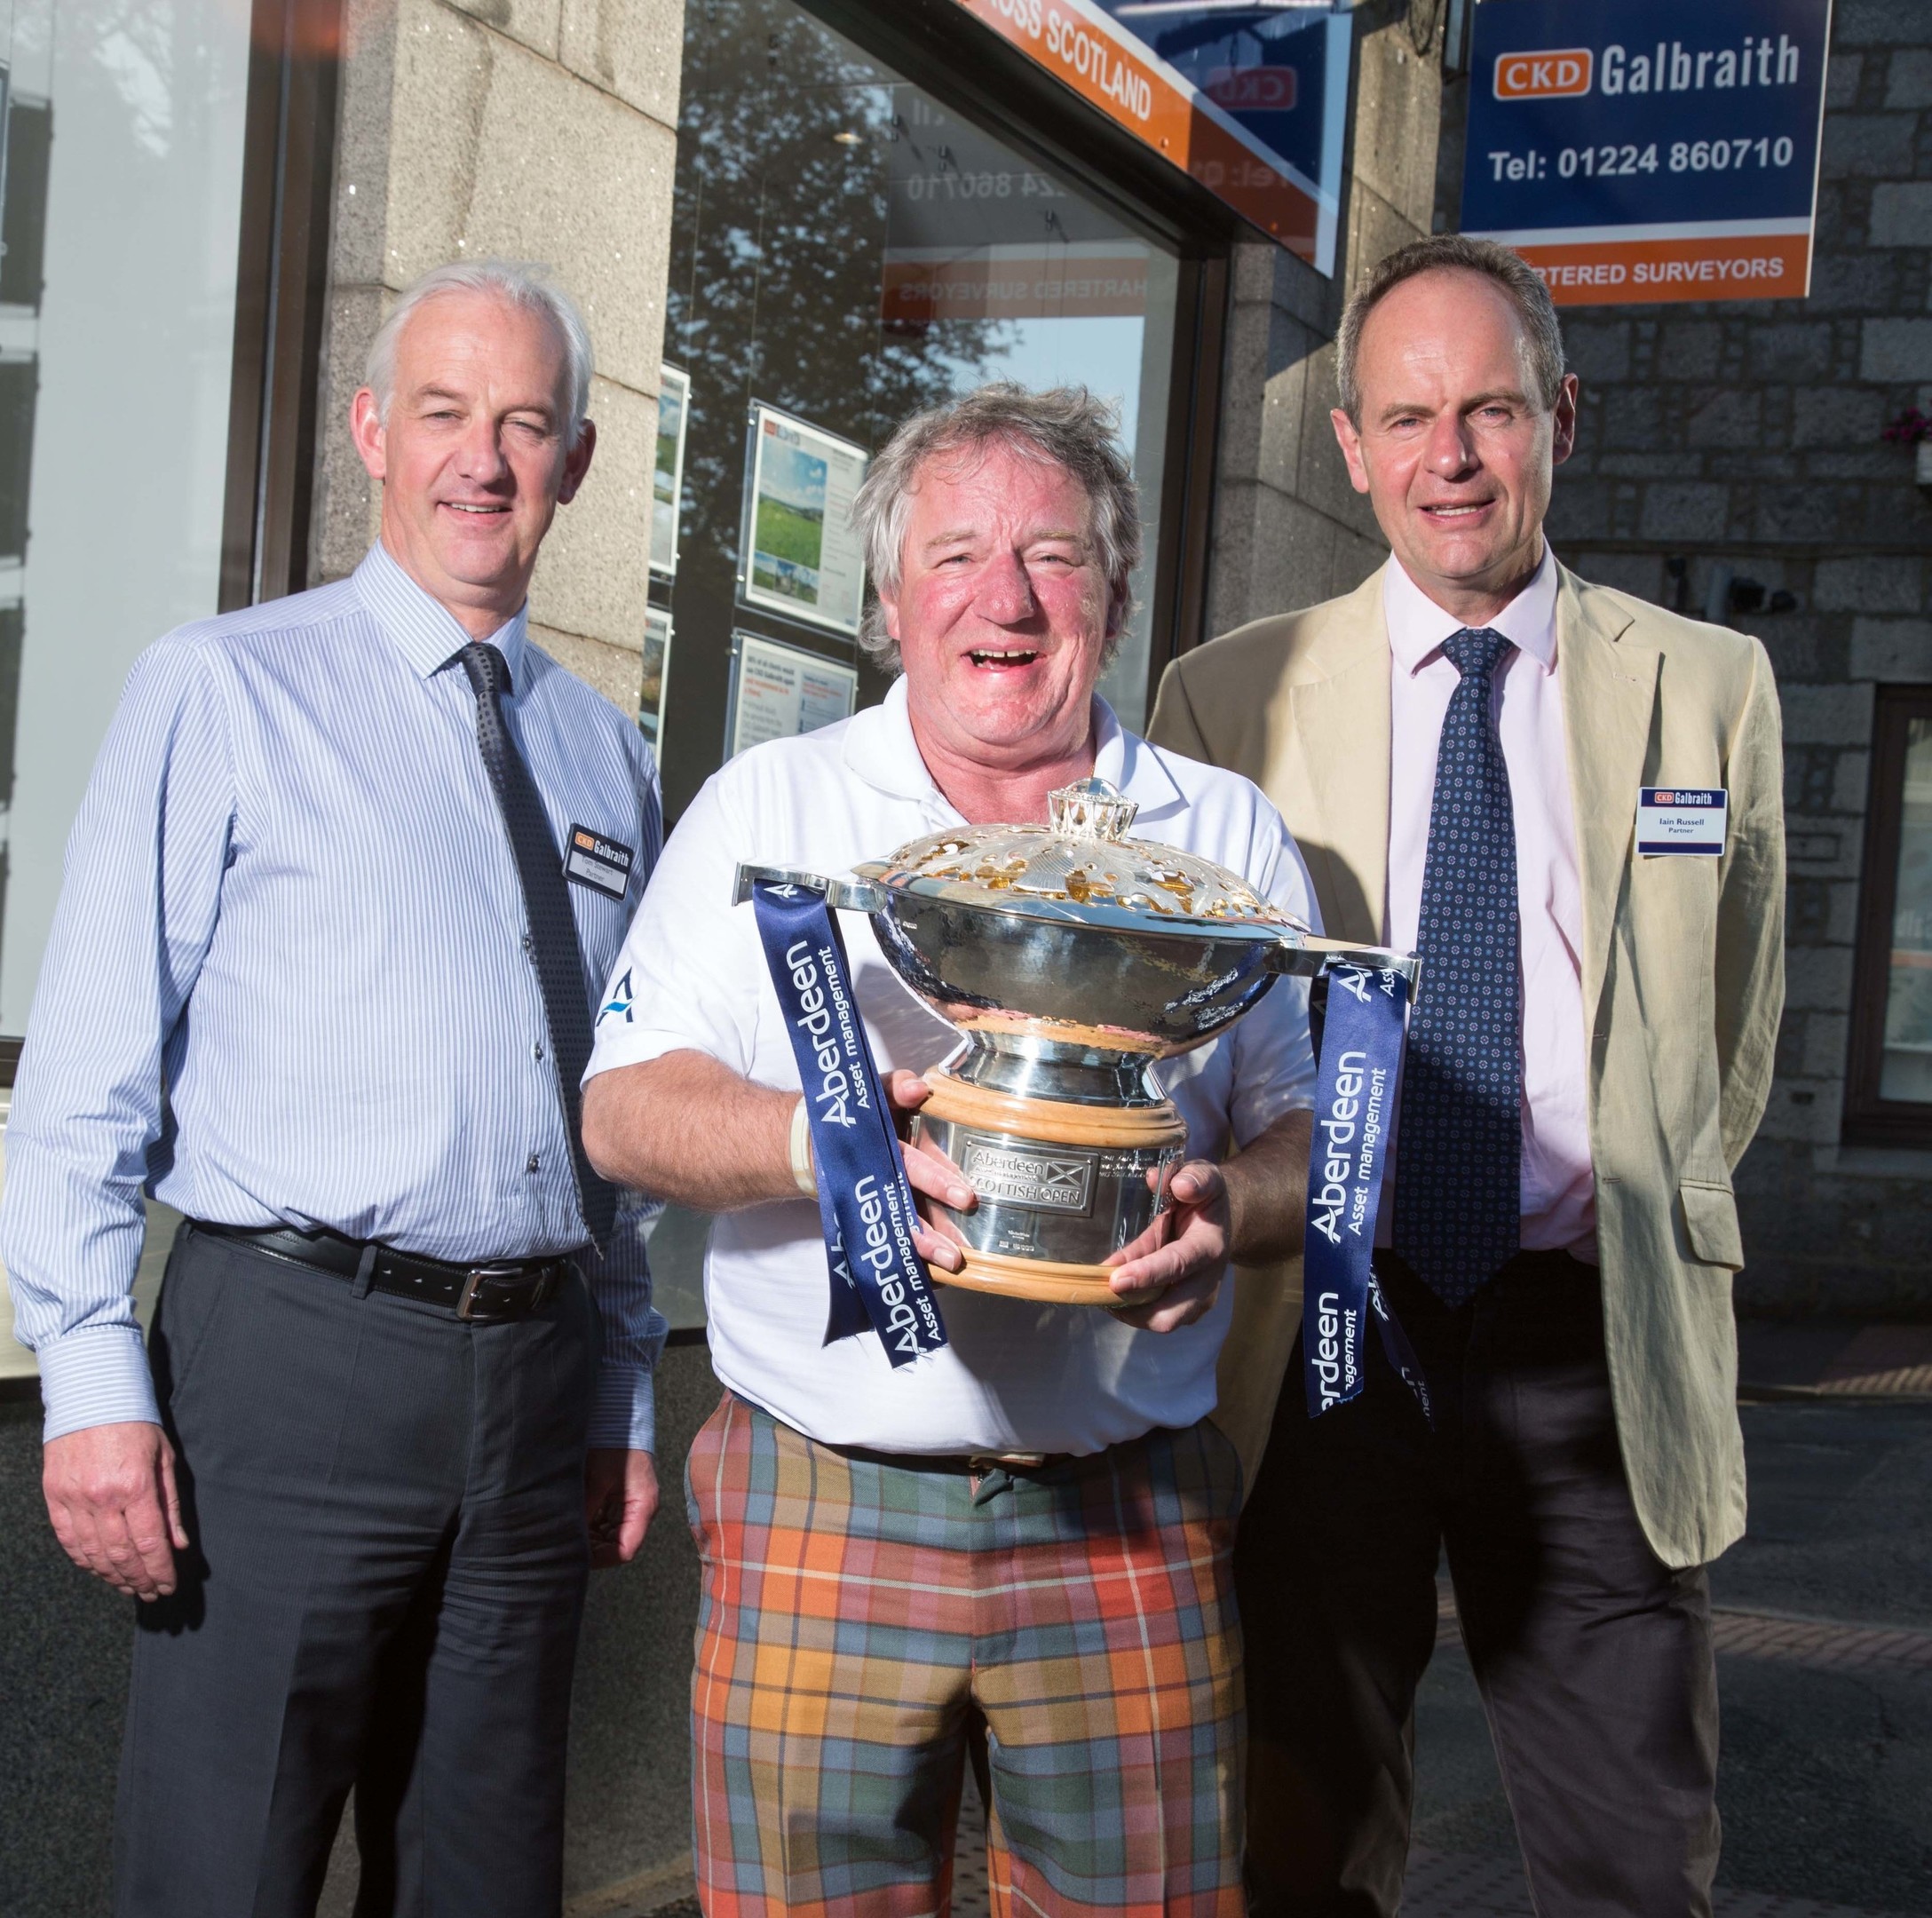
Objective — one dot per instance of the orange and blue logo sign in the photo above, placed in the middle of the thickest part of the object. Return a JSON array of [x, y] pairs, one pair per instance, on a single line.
[[1561, 74], [1648, 150]]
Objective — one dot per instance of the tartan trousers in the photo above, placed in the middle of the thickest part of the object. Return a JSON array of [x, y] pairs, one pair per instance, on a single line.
[[862, 1619]]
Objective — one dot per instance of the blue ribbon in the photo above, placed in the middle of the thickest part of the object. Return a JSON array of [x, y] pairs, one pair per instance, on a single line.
[[1361, 1051], [866, 1207]]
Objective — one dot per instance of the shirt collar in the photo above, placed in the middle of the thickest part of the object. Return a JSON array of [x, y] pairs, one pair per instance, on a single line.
[[1417, 626], [881, 751], [420, 627]]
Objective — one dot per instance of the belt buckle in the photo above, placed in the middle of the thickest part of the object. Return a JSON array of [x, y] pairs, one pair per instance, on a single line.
[[477, 1276]]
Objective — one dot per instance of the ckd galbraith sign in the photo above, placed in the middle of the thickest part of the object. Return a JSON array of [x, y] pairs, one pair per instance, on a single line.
[[1649, 149]]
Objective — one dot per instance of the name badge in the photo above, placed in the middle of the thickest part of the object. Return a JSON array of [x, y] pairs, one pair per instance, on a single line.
[[1680, 820], [594, 860]]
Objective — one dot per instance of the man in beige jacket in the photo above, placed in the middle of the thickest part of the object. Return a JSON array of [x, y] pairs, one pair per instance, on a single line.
[[1569, 801]]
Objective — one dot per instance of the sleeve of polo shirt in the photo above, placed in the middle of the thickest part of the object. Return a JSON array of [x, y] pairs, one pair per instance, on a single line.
[[1273, 1061], [137, 906], [690, 975], [623, 1413]]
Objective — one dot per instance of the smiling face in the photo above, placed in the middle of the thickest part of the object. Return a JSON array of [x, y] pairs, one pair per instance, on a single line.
[[474, 455], [1001, 611], [1454, 449]]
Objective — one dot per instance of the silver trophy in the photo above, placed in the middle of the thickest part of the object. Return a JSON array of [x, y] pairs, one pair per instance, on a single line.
[[1072, 959]]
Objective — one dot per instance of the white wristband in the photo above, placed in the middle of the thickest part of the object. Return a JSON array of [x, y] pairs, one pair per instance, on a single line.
[[803, 1176]]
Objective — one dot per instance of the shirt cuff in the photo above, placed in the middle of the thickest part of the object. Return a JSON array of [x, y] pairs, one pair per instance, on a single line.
[[623, 1414], [97, 1376]]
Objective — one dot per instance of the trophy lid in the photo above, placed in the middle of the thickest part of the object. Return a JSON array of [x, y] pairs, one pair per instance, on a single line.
[[1082, 865]]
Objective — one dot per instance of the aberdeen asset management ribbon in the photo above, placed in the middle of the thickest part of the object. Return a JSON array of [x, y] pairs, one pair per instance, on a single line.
[[865, 1204], [1361, 1051]]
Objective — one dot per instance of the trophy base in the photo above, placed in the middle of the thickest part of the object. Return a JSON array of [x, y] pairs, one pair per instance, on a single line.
[[1042, 1281], [1061, 1184]]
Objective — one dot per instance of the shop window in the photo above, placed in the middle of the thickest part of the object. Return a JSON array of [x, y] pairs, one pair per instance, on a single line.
[[1888, 1097], [119, 209], [849, 247]]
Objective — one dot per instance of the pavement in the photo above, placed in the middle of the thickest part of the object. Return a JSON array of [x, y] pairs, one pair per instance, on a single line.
[[1823, 1620], [1808, 1359]]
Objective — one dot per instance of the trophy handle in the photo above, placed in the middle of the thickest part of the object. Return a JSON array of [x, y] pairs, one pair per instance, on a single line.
[[1303, 955], [845, 895]]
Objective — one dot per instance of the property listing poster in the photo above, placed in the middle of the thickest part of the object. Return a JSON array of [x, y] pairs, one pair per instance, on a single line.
[[801, 556], [778, 691], [657, 665], [667, 480]]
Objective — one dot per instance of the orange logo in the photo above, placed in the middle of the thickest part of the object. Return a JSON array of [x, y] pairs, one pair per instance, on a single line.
[[1257, 89], [1561, 74]]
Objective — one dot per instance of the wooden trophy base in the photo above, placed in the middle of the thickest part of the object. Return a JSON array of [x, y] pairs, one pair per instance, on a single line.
[[1010, 1239]]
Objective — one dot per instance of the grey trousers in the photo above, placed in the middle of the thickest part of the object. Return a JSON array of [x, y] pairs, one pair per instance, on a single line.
[[384, 1591], [1593, 1658]]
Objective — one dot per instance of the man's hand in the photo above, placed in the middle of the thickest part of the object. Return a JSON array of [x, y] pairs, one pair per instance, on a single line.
[[1171, 1274], [930, 1173], [111, 1495], [620, 1499]]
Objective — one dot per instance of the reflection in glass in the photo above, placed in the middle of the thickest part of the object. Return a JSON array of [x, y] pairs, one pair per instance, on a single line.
[[122, 206], [1279, 72], [1906, 1073], [850, 250]]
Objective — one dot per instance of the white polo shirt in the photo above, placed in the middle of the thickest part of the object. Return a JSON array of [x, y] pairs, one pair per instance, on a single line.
[[1016, 1376]]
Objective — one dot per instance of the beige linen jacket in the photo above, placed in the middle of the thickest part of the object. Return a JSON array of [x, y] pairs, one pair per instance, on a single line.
[[1683, 964]]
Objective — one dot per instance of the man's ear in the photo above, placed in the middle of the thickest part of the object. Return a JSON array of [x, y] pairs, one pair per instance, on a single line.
[[577, 463], [889, 611], [1563, 433], [1348, 438], [366, 429]]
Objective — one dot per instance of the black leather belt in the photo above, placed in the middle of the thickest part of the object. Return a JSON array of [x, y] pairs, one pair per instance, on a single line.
[[485, 1293], [975, 1464]]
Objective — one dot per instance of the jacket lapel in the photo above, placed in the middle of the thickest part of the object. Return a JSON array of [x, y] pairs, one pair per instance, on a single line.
[[1609, 680], [1342, 729]]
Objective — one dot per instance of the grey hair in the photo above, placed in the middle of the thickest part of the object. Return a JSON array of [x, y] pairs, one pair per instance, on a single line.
[[515, 282], [1509, 271], [1066, 426]]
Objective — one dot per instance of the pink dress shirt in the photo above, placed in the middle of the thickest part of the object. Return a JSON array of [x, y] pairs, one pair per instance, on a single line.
[[1559, 1189]]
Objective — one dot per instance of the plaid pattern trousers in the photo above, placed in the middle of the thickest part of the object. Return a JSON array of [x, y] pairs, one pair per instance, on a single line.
[[861, 1617]]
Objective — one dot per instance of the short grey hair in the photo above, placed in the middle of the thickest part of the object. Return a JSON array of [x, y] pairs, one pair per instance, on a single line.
[[518, 283], [1067, 426], [1509, 271]]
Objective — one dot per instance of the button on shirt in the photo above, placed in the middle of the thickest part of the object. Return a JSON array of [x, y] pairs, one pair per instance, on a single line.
[[290, 899], [1558, 1187], [1016, 1375]]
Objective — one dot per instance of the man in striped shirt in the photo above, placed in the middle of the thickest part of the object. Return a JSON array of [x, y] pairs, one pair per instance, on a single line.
[[348, 876]]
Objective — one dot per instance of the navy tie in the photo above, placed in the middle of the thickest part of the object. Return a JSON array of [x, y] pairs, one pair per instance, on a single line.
[[1459, 1159], [546, 904]]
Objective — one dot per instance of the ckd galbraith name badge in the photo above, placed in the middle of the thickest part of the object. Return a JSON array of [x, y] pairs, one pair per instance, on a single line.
[[593, 861], [1681, 819]]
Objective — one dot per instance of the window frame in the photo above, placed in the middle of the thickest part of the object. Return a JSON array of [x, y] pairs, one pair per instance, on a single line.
[[282, 295], [939, 46], [1869, 1118]]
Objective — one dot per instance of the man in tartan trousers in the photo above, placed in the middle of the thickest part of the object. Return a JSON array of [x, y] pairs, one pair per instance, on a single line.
[[1025, 1535]]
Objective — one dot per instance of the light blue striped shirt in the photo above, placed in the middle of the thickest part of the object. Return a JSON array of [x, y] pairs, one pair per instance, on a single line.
[[290, 899]]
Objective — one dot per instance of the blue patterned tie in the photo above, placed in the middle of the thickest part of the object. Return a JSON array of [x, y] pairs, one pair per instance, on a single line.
[[546, 904], [1459, 1165]]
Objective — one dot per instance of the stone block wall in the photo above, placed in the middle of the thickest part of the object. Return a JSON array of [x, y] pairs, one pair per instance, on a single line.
[[1289, 528], [1742, 440], [542, 130]]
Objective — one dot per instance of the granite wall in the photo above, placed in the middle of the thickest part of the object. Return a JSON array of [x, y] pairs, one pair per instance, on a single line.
[[1289, 528], [542, 130], [1741, 441]]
